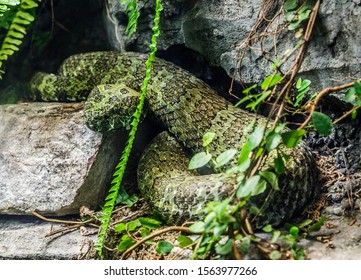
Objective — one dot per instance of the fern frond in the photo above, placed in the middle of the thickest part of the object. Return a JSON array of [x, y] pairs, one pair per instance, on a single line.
[[17, 29], [120, 169], [133, 15]]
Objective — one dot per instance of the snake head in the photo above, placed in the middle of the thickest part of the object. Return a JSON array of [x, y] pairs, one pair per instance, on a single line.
[[110, 106]]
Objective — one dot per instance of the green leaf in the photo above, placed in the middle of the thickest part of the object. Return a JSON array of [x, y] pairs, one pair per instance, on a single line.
[[9, 46], [275, 235], [208, 138], [16, 34], [197, 227], [225, 248], [144, 232], [25, 16], [279, 165], [267, 228], [304, 14], [317, 225], [120, 227], [350, 95], [247, 186], [184, 241], [244, 154], [164, 247], [270, 81], [132, 225], [247, 90], [293, 137], [149, 223], [252, 186], [322, 123], [254, 210], [304, 85], [357, 87], [290, 5], [225, 157], [275, 255], [299, 98], [271, 178], [354, 114], [273, 139], [294, 231], [293, 25], [305, 223], [199, 160], [244, 99], [29, 4], [219, 230], [262, 97], [125, 243], [256, 137], [10, 2], [12, 41]]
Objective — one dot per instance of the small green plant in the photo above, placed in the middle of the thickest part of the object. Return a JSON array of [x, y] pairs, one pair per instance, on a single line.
[[134, 230], [17, 28], [133, 15], [296, 14], [111, 199]]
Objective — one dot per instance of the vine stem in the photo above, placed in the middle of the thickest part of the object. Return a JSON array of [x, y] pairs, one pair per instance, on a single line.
[[287, 88], [154, 234]]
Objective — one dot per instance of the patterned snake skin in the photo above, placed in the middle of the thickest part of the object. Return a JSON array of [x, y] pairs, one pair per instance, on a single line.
[[187, 108]]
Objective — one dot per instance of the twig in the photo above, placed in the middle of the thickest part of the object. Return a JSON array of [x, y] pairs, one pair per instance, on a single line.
[[346, 114], [60, 221], [62, 230], [154, 234], [322, 93]]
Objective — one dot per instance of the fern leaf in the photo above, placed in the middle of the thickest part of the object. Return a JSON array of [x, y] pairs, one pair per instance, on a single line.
[[120, 169], [133, 15], [17, 29]]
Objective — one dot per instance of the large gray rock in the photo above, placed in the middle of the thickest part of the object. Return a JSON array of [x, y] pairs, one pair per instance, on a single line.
[[25, 238], [50, 161], [215, 29]]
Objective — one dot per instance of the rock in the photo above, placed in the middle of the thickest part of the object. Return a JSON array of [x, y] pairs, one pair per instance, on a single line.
[[344, 245], [23, 237], [215, 30], [50, 161]]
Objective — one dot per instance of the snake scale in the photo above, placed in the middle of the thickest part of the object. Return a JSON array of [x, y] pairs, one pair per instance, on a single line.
[[188, 108]]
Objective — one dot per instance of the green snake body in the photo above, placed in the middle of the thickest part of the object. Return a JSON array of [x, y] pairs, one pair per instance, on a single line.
[[187, 108]]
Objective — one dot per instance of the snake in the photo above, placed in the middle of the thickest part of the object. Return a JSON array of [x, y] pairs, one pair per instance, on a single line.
[[187, 108]]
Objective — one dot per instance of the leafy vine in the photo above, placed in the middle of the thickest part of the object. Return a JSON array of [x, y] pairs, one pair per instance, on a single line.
[[111, 199]]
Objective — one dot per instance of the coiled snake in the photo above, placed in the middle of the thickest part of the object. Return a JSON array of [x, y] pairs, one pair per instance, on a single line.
[[187, 108]]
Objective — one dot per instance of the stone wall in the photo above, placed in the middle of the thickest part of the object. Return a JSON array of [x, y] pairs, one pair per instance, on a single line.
[[215, 28]]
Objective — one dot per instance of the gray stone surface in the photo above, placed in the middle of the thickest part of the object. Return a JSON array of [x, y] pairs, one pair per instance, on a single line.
[[23, 237], [345, 243], [50, 161], [215, 30]]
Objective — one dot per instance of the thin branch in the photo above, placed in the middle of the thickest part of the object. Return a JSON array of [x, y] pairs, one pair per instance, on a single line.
[[62, 230], [319, 96], [61, 221], [346, 114]]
